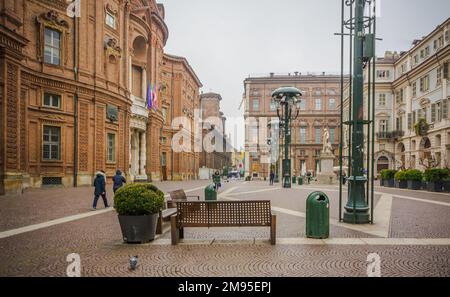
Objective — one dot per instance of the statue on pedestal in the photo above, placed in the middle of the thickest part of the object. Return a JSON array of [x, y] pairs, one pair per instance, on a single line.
[[327, 148]]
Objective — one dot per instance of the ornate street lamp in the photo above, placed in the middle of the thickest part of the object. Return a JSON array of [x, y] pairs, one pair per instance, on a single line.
[[288, 99]]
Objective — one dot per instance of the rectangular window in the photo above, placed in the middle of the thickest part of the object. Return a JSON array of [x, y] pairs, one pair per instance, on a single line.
[[383, 126], [255, 104], [425, 83], [317, 136], [318, 105], [332, 104], [110, 20], [137, 81], [416, 59], [52, 100], [445, 109], [439, 76], [302, 135], [164, 159], [383, 73], [111, 147], [273, 105], [332, 135], [382, 100], [52, 46], [410, 125], [51, 143], [414, 89], [303, 104]]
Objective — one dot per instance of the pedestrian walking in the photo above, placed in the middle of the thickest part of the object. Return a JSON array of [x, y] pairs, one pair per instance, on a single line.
[[216, 180], [118, 181], [272, 178], [100, 190]]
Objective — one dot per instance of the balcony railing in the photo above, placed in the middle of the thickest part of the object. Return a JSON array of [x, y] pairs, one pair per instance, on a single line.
[[390, 135]]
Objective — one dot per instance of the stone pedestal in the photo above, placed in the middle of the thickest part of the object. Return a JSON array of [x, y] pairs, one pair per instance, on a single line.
[[326, 175]]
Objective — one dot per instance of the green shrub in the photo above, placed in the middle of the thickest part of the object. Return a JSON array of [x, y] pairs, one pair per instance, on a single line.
[[388, 174], [414, 174], [400, 176], [138, 199], [436, 175]]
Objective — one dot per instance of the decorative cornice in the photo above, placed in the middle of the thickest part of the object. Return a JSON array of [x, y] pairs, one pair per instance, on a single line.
[[160, 22], [51, 18], [60, 4]]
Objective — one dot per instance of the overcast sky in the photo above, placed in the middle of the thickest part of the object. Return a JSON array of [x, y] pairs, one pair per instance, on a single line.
[[227, 40]]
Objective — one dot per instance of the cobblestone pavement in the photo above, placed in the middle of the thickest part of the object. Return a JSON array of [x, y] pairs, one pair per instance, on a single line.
[[221, 252]]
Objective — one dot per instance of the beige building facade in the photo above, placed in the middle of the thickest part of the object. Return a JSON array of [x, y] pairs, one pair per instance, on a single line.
[[318, 109], [412, 121]]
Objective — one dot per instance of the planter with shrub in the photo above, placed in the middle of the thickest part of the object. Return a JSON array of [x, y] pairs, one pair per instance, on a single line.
[[388, 176], [414, 178], [446, 182], [435, 179], [400, 180], [138, 207]]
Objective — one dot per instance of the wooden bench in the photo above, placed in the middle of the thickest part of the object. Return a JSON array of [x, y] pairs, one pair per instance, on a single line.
[[222, 214], [179, 196], [164, 215]]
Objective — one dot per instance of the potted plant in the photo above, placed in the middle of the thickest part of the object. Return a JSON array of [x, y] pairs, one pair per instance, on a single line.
[[414, 178], [446, 182], [138, 207], [388, 176], [435, 179], [400, 180]]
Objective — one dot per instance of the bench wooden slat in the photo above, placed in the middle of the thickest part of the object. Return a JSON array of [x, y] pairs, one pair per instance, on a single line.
[[223, 214], [164, 214]]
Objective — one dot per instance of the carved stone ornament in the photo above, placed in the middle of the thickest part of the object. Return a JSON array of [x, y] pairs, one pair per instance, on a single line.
[[52, 19], [112, 48]]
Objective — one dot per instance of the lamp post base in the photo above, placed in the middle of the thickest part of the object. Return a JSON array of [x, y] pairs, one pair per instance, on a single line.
[[359, 217]]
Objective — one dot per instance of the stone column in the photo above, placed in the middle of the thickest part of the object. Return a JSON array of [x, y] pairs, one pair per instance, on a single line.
[[143, 154], [144, 83]]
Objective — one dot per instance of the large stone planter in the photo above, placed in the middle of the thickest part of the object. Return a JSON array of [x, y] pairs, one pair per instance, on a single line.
[[401, 184], [435, 186], [415, 185], [389, 183], [446, 187], [138, 229]]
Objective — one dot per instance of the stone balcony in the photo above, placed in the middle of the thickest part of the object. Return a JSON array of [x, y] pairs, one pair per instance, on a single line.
[[139, 107], [390, 135]]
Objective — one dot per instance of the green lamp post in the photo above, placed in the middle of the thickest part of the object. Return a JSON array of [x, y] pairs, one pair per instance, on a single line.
[[287, 98], [357, 209]]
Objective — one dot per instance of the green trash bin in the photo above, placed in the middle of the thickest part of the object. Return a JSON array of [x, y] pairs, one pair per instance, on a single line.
[[294, 180], [317, 216], [300, 181], [210, 193]]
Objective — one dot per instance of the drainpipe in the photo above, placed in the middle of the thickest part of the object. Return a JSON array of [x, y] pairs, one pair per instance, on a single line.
[[75, 103], [171, 120]]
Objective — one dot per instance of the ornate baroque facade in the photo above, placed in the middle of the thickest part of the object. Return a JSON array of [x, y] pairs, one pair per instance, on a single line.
[[73, 89]]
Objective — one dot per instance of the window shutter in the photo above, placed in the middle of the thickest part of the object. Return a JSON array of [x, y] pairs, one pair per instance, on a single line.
[[445, 109], [446, 70], [433, 113], [410, 121]]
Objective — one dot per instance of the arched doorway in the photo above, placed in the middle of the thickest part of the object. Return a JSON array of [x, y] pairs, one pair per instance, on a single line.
[[382, 163]]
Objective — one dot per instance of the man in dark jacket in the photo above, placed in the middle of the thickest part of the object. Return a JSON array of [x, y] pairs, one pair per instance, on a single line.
[[272, 178], [100, 190], [118, 181]]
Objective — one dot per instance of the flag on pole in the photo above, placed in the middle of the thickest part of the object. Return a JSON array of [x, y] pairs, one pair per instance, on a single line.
[[149, 96], [155, 98]]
